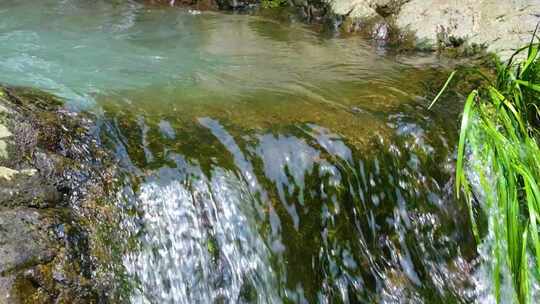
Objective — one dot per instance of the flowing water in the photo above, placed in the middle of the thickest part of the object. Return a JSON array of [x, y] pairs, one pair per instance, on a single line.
[[261, 162]]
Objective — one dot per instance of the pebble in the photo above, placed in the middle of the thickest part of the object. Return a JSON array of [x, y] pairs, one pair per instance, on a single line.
[[7, 173], [4, 132]]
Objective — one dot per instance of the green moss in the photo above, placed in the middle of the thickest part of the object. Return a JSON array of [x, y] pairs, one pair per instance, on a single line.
[[33, 98]]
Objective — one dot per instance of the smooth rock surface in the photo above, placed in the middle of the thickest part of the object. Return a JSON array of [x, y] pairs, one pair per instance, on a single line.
[[500, 25], [24, 237], [353, 8], [4, 132], [366, 8], [26, 187], [7, 173]]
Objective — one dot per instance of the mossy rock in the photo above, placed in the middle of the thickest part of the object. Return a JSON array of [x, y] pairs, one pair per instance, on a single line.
[[51, 181]]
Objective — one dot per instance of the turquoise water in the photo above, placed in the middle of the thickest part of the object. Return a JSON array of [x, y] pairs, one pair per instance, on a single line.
[[261, 162]]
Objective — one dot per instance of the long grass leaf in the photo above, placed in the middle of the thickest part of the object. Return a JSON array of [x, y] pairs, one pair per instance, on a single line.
[[465, 122], [443, 89], [533, 52], [517, 52], [529, 85], [501, 128], [523, 294]]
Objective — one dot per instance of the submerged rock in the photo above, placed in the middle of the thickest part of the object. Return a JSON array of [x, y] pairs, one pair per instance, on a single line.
[[52, 177]]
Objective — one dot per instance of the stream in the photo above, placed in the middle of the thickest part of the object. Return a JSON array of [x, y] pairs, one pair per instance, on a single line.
[[261, 162]]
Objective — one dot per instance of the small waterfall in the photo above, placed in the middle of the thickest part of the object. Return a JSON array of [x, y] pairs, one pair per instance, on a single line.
[[291, 216], [261, 163], [199, 242]]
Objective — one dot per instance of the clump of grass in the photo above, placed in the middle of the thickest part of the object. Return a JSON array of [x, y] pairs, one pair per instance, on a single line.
[[498, 166]]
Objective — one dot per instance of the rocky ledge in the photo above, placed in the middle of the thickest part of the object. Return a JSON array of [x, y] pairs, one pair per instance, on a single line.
[[499, 26], [53, 181]]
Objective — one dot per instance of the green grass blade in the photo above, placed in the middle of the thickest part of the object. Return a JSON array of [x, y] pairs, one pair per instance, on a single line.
[[533, 52], [523, 294], [442, 90], [503, 143], [532, 86], [532, 196], [465, 124], [517, 52]]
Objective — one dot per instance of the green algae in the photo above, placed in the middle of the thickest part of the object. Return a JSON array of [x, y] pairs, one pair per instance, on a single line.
[[366, 130]]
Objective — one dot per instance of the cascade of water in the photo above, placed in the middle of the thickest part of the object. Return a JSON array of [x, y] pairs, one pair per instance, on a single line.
[[251, 176], [293, 217], [199, 244]]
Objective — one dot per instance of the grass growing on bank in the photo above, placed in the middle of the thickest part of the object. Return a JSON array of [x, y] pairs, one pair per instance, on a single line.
[[498, 166]]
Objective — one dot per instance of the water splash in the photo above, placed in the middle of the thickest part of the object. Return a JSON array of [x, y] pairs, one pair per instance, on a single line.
[[199, 243]]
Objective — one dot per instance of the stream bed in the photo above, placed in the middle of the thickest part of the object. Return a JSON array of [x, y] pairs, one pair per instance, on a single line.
[[260, 162]]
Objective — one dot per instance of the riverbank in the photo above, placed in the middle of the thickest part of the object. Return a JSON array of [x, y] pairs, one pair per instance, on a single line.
[[458, 28], [497, 26]]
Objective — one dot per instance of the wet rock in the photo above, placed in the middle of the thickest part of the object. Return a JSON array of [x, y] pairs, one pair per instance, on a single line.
[[26, 187], [235, 4], [26, 243], [6, 284], [381, 31], [25, 239], [53, 173]]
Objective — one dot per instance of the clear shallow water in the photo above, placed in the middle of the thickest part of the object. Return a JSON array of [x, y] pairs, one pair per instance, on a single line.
[[262, 163]]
